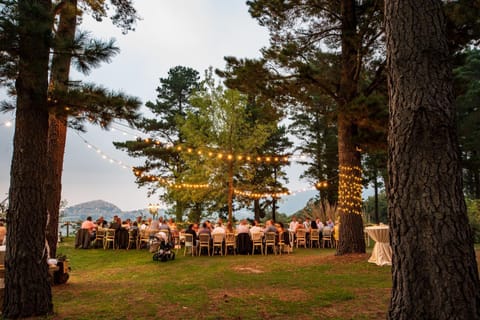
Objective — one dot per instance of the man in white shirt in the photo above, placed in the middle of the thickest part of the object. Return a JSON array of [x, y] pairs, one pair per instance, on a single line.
[[256, 227], [293, 224]]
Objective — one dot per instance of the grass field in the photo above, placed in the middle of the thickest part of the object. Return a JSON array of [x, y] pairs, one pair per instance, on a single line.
[[308, 284]]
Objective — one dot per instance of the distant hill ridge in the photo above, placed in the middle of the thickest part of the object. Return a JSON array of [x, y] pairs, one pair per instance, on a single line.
[[97, 208]]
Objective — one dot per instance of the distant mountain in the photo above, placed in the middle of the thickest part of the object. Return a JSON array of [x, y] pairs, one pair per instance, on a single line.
[[293, 203], [97, 208]]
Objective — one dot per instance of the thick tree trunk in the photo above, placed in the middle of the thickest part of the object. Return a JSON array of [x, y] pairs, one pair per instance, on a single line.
[[435, 273], [350, 174], [27, 287], [351, 238], [57, 134]]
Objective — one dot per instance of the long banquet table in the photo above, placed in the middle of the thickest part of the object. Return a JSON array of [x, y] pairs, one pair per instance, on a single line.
[[382, 251]]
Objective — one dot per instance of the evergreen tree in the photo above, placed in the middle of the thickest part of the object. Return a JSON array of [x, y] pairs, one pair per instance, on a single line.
[[332, 49], [222, 127], [248, 77], [170, 110], [434, 269], [27, 287], [467, 78]]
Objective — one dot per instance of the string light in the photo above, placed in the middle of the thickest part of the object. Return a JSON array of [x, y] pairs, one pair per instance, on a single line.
[[350, 189], [7, 123]]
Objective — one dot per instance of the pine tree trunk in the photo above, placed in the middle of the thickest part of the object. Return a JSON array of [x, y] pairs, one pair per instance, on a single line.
[[435, 273], [57, 134], [27, 287], [351, 238]]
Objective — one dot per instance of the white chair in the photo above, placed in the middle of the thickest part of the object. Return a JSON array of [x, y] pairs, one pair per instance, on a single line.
[[230, 242], [327, 237], [257, 242], [188, 243], [301, 238], [217, 243], [203, 242], [270, 242]]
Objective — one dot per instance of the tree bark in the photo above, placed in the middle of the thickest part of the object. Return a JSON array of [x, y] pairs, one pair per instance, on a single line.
[[350, 173], [27, 287], [435, 273], [57, 134]]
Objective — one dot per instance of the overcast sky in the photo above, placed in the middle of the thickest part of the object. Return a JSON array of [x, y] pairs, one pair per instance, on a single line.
[[191, 33]]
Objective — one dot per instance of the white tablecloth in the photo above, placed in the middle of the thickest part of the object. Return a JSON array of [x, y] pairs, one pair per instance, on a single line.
[[382, 252]]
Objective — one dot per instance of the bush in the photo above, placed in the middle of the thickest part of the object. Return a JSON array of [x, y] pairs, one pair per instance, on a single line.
[[473, 211]]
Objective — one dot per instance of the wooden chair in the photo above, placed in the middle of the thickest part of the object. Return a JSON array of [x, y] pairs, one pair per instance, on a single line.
[[109, 238], [230, 242], [100, 234], [301, 238], [188, 243], [314, 237], [282, 245], [270, 242], [257, 242], [144, 237], [203, 242], [327, 237], [132, 238], [217, 243]]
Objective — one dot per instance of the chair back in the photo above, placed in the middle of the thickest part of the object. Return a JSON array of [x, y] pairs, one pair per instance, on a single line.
[[188, 243], [203, 242], [301, 235], [217, 238], [109, 238]]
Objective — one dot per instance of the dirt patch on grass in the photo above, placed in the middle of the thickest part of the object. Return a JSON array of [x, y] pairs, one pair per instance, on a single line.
[[327, 259], [247, 269]]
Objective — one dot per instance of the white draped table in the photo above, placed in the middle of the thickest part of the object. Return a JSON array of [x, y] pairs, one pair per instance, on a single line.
[[382, 252]]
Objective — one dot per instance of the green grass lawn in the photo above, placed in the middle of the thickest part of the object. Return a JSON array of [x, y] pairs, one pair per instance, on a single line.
[[308, 284]]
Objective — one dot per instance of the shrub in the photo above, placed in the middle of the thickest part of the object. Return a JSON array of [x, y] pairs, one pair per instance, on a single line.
[[473, 211]]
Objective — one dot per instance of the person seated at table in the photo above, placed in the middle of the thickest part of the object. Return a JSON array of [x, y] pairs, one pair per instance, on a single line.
[[313, 225], [307, 224], [195, 228], [172, 225], [219, 229], [229, 228], [204, 229], [191, 231], [299, 225], [319, 224], [330, 223], [125, 225], [101, 223], [116, 223], [209, 225], [243, 227], [256, 228], [3, 232], [155, 224], [244, 243], [281, 231], [90, 226], [143, 225], [269, 227]]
